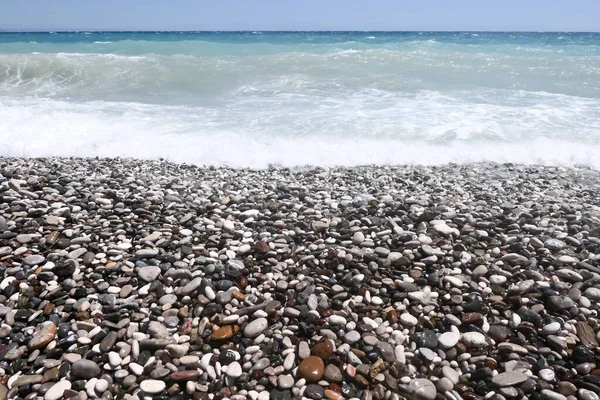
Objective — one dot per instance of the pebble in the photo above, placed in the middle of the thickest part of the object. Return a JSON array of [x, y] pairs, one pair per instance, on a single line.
[[122, 276], [152, 386]]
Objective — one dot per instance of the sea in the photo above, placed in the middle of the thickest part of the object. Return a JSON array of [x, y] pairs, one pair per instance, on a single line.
[[256, 99]]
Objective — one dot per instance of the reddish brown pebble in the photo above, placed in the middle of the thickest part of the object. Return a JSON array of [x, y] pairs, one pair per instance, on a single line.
[[225, 332], [185, 375], [392, 316], [42, 336], [473, 318], [333, 395], [48, 308], [239, 295], [311, 368], [323, 349]]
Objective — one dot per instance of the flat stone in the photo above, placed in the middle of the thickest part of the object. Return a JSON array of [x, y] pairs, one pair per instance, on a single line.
[[332, 374], [146, 253], [448, 340], [551, 328], [35, 259], [408, 320], [149, 273], [86, 369], [187, 375], [152, 386], [423, 389], [225, 332], [550, 395], [351, 337], [314, 391], [474, 340], [57, 390], [109, 341], [42, 336], [511, 378], [256, 327], [285, 381], [191, 287], [586, 334], [234, 370]]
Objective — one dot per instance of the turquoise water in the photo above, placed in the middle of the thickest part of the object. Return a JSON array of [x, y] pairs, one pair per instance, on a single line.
[[296, 98]]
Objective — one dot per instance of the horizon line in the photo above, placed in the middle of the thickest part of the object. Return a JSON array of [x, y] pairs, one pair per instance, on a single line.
[[45, 30]]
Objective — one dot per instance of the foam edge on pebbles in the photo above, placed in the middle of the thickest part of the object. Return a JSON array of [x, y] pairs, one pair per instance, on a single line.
[[128, 279]]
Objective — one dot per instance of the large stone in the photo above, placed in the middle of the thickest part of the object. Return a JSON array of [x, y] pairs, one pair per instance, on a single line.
[[86, 369], [43, 335], [311, 368]]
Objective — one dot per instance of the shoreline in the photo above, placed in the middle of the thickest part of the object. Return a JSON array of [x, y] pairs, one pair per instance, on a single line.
[[127, 278]]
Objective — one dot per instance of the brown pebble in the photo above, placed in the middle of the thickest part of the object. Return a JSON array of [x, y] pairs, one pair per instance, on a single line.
[[311, 368], [392, 316], [586, 334], [472, 318], [323, 349], [239, 295], [48, 308], [333, 395], [225, 332]]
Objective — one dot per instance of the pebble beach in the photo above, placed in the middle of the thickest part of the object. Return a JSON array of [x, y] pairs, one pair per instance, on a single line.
[[137, 279]]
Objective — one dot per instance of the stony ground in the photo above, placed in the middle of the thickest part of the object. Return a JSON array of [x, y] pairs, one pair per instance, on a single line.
[[130, 279]]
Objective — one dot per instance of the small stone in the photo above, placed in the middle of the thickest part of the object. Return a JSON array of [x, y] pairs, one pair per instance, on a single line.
[[149, 273], [314, 391], [351, 337], [586, 334], [423, 389], [86, 369], [256, 327], [225, 332], [550, 395], [358, 238], [448, 340], [408, 320], [474, 340], [285, 381], [547, 374], [234, 370], [332, 374], [511, 378], [57, 390], [34, 260], [152, 386]]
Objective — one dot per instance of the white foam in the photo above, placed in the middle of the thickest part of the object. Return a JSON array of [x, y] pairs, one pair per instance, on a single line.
[[39, 128]]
